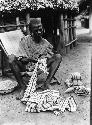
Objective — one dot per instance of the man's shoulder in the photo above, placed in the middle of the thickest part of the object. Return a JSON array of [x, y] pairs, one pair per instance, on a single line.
[[26, 37]]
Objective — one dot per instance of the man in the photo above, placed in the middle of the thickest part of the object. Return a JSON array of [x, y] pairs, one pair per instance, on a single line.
[[35, 47]]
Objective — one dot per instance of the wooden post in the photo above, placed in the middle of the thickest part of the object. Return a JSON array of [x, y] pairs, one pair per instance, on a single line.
[[2, 63], [62, 26], [28, 21], [66, 37], [71, 35], [66, 34], [0, 57], [61, 44], [17, 22], [71, 29], [90, 20], [2, 24], [74, 32], [68, 31]]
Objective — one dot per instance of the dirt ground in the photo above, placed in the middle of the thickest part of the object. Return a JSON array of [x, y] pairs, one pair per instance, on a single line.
[[12, 111]]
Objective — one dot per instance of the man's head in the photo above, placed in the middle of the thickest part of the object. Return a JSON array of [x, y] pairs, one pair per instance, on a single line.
[[36, 27]]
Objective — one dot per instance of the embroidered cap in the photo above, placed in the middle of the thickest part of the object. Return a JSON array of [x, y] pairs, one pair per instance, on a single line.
[[35, 21]]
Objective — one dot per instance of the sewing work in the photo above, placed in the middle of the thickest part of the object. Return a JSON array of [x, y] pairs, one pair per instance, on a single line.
[[47, 99]]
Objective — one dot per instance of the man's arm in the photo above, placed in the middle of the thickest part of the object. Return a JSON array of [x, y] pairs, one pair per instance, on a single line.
[[48, 50], [26, 60]]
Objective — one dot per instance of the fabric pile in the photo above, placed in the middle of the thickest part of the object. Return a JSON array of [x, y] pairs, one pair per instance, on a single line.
[[75, 84], [47, 99]]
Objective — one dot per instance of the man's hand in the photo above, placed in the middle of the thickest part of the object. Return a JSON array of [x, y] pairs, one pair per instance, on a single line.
[[26, 60], [23, 59]]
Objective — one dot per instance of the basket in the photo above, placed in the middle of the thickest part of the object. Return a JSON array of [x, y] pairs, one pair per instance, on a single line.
[[7, 85]]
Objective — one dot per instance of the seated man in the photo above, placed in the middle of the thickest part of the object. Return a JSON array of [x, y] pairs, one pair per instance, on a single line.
[[35, 47]]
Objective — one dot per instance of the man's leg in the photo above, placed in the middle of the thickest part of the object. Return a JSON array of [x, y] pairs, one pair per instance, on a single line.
[[54, 64], [16, 67]]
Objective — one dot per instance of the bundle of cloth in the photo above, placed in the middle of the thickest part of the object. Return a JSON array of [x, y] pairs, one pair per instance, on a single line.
[[47, 99]]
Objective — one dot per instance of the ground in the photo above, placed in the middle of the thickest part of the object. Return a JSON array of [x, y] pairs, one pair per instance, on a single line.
[[12, 111]]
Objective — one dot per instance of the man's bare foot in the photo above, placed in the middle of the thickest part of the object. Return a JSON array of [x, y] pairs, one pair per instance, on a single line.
[[53, 81], [45, 87], [20, 96], [39, 86]]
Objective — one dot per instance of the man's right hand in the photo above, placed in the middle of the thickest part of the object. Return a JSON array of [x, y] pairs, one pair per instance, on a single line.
[[33, 60], [26, 60]]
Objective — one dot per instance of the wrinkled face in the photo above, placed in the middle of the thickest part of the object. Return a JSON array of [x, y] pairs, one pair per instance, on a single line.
[[37, 30]]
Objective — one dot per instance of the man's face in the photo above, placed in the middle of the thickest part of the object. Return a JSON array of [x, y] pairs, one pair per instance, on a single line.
[[37, 30]]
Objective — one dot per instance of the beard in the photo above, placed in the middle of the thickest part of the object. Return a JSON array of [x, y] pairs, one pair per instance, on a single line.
[[37, 38]]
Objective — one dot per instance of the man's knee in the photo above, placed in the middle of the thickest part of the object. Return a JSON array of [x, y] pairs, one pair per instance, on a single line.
[[11, 58], [58, 57]]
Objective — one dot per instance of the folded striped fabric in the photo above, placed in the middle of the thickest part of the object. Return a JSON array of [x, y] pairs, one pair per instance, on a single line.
[[49, 100]]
